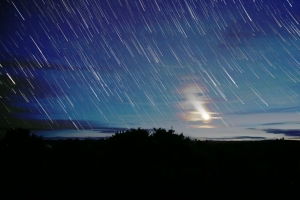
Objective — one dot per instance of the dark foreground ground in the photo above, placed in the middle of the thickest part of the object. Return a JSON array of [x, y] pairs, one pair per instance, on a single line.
[[139, 165]]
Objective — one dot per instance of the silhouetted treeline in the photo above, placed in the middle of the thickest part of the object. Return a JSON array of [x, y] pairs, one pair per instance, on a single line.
[[138, 164]]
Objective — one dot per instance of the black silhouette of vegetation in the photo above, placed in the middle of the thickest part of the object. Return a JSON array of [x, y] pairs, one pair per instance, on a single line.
[[139, 164]]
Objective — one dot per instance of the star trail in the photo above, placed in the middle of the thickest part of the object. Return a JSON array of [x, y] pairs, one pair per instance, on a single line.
[[207, 68]]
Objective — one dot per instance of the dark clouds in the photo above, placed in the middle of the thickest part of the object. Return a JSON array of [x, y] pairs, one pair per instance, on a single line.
[[286, 132], [239, 138]]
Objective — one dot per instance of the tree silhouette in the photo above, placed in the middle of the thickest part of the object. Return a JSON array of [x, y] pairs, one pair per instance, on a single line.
[[20, 135], [142, 164], [136, 135], [17, 135]]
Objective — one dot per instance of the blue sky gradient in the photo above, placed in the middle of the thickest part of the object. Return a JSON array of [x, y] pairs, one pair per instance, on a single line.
[[209, 69]]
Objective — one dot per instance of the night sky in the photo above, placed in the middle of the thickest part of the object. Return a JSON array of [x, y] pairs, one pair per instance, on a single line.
[[216, 69]]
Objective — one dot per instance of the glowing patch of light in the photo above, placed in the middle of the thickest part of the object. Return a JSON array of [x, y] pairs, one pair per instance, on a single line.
[[199, 112], [205, 116]]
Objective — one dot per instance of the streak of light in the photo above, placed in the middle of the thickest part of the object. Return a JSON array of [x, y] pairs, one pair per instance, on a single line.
[[11, 79], [18, 10]]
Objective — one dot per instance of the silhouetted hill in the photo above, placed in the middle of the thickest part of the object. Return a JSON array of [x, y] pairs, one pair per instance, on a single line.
[[138, 164]]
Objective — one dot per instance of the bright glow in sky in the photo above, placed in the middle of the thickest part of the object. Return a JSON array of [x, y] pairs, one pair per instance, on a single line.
[[209, 69]]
